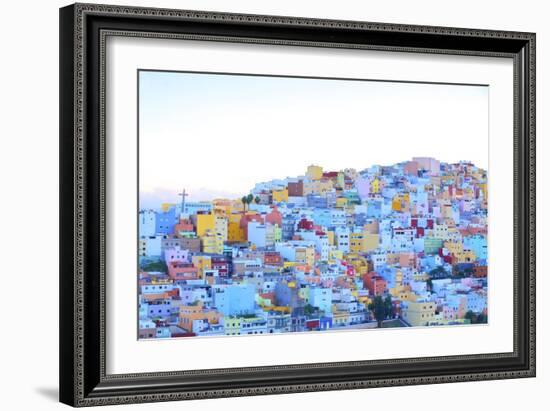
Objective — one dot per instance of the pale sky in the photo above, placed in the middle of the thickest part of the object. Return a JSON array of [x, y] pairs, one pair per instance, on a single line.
[[217, 135]]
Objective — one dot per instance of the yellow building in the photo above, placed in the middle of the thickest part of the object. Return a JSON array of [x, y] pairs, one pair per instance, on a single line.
[[309, 187], [234, 230], [341, 202], [358, 262], [330, 237], [205, 222], [340, 318], [314, 172], [237, 206], [398, 278], [400, 202], [403, 293], [166, 206], [483, 187], [375, 186], [361, 242], [222, 206], [280, 196], [364, 299], [305, 255], [220, 226], [211, 222], [372, 227], [212, 243], [335, 254], [202, 262], [322, 186], [232, 325], [467, 256], [419, 313], [455, 247], [243, 325], [371, 241]]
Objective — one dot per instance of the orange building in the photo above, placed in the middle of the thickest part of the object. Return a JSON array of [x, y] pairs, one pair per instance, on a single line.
[[374, 283], [184, 226], [273, 258], [274, 217], [182, 271], [190, 313]]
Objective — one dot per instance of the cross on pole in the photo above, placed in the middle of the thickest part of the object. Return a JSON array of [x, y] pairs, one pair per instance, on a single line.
[[183, 194]]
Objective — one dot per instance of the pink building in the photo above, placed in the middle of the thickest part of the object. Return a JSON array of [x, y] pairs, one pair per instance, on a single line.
[[411, 167], [363, 187], [176, 254], [428, 163], [274, 217]]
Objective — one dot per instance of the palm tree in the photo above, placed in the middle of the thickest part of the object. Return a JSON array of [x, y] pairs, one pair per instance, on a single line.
[[381, 308]]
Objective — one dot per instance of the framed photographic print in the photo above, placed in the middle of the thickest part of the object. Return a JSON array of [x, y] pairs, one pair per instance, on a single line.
[[262, 204]]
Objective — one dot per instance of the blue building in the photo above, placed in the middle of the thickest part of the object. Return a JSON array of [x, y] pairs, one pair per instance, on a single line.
[[322, 217], [236, 299], [194, 207], [165, 221], [478, 244], [374, 208], [289, 226]]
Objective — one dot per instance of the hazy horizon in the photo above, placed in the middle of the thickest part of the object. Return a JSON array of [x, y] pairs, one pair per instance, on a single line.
[[153, 200], [216, 135]]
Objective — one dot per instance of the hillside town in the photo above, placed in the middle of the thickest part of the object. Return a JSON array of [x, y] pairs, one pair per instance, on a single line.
[[403, 245]]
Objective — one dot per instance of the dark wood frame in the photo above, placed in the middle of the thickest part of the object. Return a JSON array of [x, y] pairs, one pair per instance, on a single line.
[[83, 29]]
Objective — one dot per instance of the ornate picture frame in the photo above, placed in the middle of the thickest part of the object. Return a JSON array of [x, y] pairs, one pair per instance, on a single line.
[[84, 378]]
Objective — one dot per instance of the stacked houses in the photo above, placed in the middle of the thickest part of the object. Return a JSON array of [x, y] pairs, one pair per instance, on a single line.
[[320, 252]]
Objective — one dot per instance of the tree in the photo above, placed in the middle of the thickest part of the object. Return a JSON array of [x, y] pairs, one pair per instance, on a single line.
[[438, 272], [257, 200], [474, 318], [430, 285], [155, 266], [470, 315], [247, 200], [381, 308], [309, 309], [481, 318]]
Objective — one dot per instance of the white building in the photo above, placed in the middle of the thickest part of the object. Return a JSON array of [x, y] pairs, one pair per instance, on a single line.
[[151, 246], [257, 234], [156, 288], [341, 237], [403, 239], [190, 295], [147, 223], [287, 249], [321, 298], [320, 240]]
